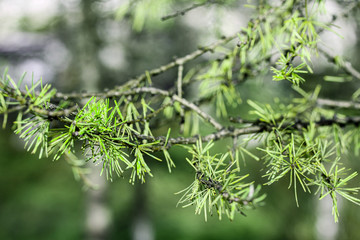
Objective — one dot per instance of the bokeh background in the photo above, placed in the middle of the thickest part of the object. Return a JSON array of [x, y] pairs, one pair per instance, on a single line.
[[79, 45]]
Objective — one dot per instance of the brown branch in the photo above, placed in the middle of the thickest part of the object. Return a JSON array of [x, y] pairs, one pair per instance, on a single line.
[[55, 113], [255, 127], [223, 133]]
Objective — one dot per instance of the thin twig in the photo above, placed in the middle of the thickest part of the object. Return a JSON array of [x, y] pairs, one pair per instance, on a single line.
[[182, 12], [150, 115], [345, 65], [56, 113], [213, 136], [347, 68], [135, 82], [337, 103], [183, 101], [210, 183], [254, 128]]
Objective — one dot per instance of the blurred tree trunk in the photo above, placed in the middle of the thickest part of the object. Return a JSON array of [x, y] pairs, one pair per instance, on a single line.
[[142, 228], [326, 228], [88, 43], [98, 215]]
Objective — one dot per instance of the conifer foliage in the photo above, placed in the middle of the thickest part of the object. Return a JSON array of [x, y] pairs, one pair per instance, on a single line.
[[303, 140]]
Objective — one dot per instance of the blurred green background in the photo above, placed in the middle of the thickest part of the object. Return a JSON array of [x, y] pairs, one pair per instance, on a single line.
[[61, 41]]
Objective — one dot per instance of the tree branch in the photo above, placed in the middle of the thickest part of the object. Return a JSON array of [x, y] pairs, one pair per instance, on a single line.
[[345, 65], [337, 103], [182, 12]]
